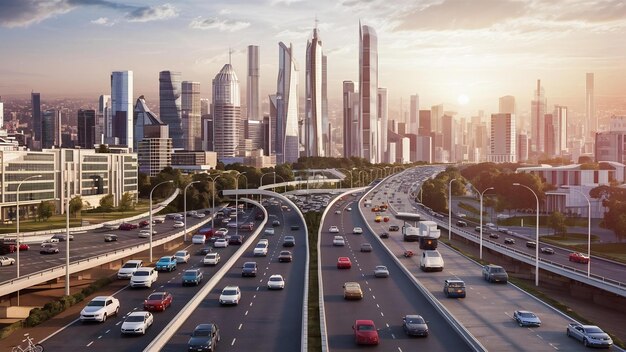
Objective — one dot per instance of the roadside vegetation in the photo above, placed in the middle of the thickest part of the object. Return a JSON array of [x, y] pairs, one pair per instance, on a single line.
[[314, 335]]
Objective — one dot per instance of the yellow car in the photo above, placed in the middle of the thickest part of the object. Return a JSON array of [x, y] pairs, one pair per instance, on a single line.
[[352, 290], [378, 218]]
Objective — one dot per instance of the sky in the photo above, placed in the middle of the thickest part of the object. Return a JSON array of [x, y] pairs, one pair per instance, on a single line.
[[463, 53]]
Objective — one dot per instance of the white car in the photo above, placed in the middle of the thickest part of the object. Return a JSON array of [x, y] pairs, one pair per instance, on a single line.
[[333, 229], [220, 243], [49, 240], [269, 231], [199, 216], [198, 239], [260, 249], [211, 259], [182, 256], [431, 260], [100, 308], [230, 295], [6, 261], [221, 232], [144, 277], [127, 270], [337, 212], [357, 230], [276, 282], [146, 233], [137, 323], [158, 220], [349, 209], [339, 241], [178, 224]]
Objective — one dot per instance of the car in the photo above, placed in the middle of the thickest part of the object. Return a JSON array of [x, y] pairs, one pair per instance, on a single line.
[[275, 223], [477, 228], [211, 259], [366, 247], [289, 241], [385, 219], [158, 301], [339, 241], [222, 232], [24, 247], [495, 235], [220, 243], [378, 218], [333, 229], [247, 227], [6, 261], [269, 231], [578, 257], [415, 325], [431, 260], [394, 228], [259, 216], [349, 209], [295, 227], [285, 256], [127, 270], [192, 277], [49, 248], [461, 223], [230, 295], [509, 240], [384, 235], [276, 282], [144, 223], [352, 290], [145, 233], [454, 288], [547, 250], [191, 213], [526, 318], [206, 249], [62, 237], [100, 308], [338, 212], [495, 273], [198, 239], [589, 335], [137, 323], [344, 263], [199, 216], [167, 262], [182, 256], [110, 238], [127, 226], [365, 332], [357, 230], [158, 220], [260, 249], [381, 271], [144, 277], [204, 338], [173, 216], [235, 240], [531, 244], [249, 269], [178, 224], [232, 225]]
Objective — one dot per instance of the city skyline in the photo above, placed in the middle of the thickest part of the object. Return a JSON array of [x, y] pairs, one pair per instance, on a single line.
[[446, 54]]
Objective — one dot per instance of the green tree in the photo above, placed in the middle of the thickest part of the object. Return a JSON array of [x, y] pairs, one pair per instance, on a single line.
[[45, 210], [103, 148], [127, 202], [107, 203], [556, 221], [76, 205]]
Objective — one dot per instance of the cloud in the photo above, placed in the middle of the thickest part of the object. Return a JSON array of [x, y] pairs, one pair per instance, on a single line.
[[154, 13], [284, 2], [223, 25], [103, 21], [592, 12]]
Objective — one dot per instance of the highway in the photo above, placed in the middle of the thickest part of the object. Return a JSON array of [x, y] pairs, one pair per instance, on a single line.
[[488, 308], [386, 300], [107, 337], [264, 320]]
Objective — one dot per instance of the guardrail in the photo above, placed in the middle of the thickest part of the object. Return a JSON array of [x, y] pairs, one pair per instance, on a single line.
[[445, 313], [161, 340]]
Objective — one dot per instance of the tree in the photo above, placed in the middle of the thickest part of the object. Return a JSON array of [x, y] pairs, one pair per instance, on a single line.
[[45, 210], [106, 203], [76, 205], [556, 221], [103, 148], [127, 202]]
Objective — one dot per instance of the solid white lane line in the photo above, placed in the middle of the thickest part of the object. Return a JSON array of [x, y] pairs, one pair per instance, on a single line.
[[240, 325]]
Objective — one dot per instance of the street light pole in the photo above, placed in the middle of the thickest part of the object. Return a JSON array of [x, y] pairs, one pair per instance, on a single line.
[[67, 232], [237, 200], [450, 209], [185, 207], [588, 228], [481, 220], [536, 233], [150, 237], [17, 229], [213, 179]]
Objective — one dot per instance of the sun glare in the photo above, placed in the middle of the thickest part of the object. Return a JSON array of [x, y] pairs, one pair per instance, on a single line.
[[463, 99]]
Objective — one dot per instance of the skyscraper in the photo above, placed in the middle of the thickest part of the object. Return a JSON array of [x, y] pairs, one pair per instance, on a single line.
[[424, 123], [252, 94], [383, 120], [226, 113], [35, 99], [191, 116], [170, 106], [436, 113], [502, 147], [1, 114], [154, 147], [103, 115], [522, 146], [325, 122], [550, 135], [368, 91], [121, 119], [314, 124], [86, 128], [590, 111], [449, 136], [560, 126], [50, 129], [414, 112], [287, 136], [507, 105], [538, 110], [351, 130]]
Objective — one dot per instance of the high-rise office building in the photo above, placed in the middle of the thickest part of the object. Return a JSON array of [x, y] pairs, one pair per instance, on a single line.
[[560, 125], [424, 123], [436, 113], [154, 147], [205, 106], [314, 125], [503, 147], [1, 114], [538, 109], [287, 131], [325, 123], [522, 146], [86, 128], [507, 105], [226, 113], [121, 121], [252, 93], [550, 135], [383, 120], [449, 136], [272, 118], [170, 106], [590, 107], [103, 115], [35, 99], [191, 116], [414, 113], [351, 122], [50, 129], [368, 91]]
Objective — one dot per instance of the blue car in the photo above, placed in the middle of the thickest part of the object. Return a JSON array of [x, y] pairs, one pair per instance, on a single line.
[[166, 263], [192, 277]]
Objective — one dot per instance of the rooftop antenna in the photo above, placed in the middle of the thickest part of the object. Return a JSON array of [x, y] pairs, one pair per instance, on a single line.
[[230, 54]]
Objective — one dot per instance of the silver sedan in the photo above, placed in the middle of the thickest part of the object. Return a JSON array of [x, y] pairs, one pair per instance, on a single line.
[[381, 271]]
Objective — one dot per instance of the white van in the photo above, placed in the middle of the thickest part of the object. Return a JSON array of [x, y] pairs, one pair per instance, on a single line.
[[127, 270], [431, 261]]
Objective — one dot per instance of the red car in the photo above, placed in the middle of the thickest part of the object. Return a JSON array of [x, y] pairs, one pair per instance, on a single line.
[[365, 332], [247, 227], [128, 226], [158, 301], [24, 247], [344, 263], [578, 257], [386, 219], [144, 223]]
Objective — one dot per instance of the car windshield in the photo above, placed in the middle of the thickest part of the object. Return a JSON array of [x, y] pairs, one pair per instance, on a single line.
[[129, 265], [190, 273], [141, 273], [96, 303], [275, 279], [180, 254], [285, 253], [260, 245], [415, 320], [456, 284], [366, 328], [497, 270], [211, 255], [432, 254], [381, 268], [526, 314], [594, 330], [249, 265], [164, 260], [134, 319], [156, 297], [200, 333], [229, 292]]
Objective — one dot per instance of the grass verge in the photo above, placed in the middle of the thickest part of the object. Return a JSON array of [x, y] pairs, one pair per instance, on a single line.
[[314, 342], [530, 220], [469, 208]]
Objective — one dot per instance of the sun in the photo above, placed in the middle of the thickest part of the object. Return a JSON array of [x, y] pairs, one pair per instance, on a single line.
[[463, 99]]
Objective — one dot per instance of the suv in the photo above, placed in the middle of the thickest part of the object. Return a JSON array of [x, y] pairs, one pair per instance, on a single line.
[[230, 295], [495, 273], [249, 269], [100, 308], [394, 228], [166, 263], [144, 277], [128, 269], [454, 288]]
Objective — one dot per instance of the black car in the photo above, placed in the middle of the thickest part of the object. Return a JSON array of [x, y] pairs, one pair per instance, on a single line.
[[49, 248], [454, 288], [394, 228], [275, 223], [249, 269], [204, 338], [110, 238], [289, 241], [62, 237], [205, 250], [494, 235], [384, 235], [235, 239], [295, 227]]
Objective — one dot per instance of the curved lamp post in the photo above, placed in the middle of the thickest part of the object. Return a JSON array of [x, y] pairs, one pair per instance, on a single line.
[[237, 199], [588, 227], [185, 207], [17, 229], [450, 209], [536, 233], [150, 237], [213, 206], [481, 194]]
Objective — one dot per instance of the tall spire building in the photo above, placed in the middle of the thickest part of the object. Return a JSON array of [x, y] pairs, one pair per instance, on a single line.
[[592, 120], [226, 113], [368, 91], [252, 94], [314, 124], [287, 137], [538, 109], [170, 106], [121, 119]]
